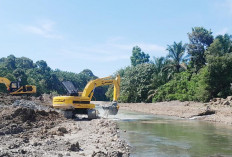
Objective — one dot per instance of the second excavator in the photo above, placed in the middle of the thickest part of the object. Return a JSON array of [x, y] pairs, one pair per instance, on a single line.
[[15, 88], [79, 102]]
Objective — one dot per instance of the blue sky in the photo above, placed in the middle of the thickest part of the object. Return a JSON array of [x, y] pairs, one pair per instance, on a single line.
[[99, 35]]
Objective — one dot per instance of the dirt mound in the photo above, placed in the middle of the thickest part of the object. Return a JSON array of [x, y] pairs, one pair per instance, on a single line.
[[220, 101], [6, 99], [28, 128], [28, 114], [24, 115]]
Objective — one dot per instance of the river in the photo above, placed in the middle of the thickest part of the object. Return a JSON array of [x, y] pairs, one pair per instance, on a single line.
[[161, 136]]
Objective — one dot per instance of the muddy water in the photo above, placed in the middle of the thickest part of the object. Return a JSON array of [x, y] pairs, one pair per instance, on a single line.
[[152, 136]]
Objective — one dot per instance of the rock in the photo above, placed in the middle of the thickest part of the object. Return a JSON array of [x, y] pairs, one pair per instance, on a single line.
[[60, 155], [60, 134], [99, 154], [116, 154], [83, 154], [226, 103], [13, 146], [208, 108], [229, 98], [75, 147], [35, 144], [63, 130], [222, 101], [26, 140], [214, 99], [4, 154], [23, 151]]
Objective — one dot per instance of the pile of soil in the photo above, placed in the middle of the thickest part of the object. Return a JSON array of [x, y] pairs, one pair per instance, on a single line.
[[20, 119], [29, 128]]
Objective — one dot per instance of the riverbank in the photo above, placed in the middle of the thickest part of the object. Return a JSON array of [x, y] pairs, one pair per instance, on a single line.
[[31, 128], [191, 110]]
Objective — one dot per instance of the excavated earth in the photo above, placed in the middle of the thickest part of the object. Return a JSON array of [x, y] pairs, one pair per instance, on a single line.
[[32, 128]]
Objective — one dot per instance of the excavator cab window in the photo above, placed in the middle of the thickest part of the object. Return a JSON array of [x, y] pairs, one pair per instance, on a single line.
[[14, 86], [72, 91]]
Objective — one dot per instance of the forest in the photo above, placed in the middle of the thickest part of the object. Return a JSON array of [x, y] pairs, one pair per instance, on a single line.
[[46, 80], [195, 71]]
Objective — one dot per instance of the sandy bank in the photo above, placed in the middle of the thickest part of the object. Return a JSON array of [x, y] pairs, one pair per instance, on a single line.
[[193, 110]]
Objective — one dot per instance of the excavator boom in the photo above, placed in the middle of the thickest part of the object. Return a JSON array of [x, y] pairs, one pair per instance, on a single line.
[[89, 88], [6, 82]]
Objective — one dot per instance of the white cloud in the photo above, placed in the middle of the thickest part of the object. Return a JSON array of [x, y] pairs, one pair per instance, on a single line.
[[44, 29], [109, 52], [151, 47], [222, 31]]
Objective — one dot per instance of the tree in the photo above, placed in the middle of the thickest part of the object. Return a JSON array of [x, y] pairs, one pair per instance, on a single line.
[[176, 54], [159, 77], [138, 56], [42, 64], [199, 40], [10, 62], [20, 75], [24, 62], [220, 46], [136, 82]]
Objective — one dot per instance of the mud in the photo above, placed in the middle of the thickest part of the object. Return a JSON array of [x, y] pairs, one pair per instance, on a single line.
[[31, 128]]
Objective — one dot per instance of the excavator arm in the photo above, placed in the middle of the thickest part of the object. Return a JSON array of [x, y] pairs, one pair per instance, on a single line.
[[89, 88], [6, 82]]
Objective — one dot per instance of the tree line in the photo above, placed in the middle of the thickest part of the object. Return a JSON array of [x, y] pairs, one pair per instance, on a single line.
[[195, 71], [43, 77]]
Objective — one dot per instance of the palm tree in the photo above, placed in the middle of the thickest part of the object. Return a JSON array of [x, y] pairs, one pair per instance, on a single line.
[[176, 54], [159, 77]]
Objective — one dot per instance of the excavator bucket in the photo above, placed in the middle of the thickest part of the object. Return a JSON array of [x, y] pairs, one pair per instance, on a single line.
[[111, 109]]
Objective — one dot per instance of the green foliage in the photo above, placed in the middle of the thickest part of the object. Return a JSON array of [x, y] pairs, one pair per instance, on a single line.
[[45, 79], [220, 46], [220, 74], [214, 80], [176, 53], [135, 83], [181, 87], [199, 40], [138, 57], [208, 72]]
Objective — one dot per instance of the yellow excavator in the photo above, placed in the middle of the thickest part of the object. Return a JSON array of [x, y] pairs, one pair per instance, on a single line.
[[79, 102], [14, 88]]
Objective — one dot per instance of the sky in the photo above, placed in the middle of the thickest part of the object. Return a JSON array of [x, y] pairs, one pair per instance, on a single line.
[[73, 35]]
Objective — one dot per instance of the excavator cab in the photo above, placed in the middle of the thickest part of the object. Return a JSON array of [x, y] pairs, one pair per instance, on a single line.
[[14, 86], [70, 88]]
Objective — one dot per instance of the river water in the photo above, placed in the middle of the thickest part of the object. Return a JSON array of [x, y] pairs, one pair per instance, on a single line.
[[152, 136]]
